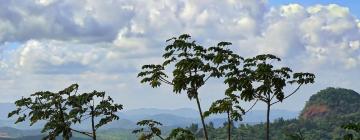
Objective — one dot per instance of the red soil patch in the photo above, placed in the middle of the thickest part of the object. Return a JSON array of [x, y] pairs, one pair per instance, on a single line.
[[315, 111]]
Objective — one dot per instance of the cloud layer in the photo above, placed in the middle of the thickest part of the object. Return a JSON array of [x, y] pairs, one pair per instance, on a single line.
[[48, 44]]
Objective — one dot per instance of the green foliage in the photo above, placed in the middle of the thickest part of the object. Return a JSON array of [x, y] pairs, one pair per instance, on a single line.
[[181, 134], [193, 65], [322, 128], [230, 106], [259, 79], [150, 129], [84, 106], [353, 127], [226, 105], [62, 109], [295, 136], [48, 106]]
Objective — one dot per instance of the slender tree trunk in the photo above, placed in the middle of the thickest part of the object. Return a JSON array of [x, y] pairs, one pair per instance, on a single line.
[[93, 123], [229, 125], [268, 122], [202, 118], [65, 132]]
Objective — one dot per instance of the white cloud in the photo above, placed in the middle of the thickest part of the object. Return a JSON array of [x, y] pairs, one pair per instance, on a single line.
[[105, 42], [44, 2]]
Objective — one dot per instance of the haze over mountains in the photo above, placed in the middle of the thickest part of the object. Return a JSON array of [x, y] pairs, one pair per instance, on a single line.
[[329, 108], [169, 117]]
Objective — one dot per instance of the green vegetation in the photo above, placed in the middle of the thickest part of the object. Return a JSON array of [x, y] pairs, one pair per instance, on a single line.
[[65, 108], [352, 127], [329, 126], [259, 80], [193, 65], [254, 78]]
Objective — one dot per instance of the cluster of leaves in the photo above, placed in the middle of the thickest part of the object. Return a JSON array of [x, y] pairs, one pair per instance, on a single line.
[[258, 79], [226, 105], [354, 127], [150, 129], [194, 65], [83, 106], [62, 109], [47, 106]]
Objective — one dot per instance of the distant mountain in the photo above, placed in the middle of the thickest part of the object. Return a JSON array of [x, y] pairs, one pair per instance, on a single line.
[[5, 108], [169, 117], [8, 132], [189, 113], [182, 112]]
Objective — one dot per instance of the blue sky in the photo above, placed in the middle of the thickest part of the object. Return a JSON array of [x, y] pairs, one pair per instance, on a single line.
[[50, 44], [353, 5]]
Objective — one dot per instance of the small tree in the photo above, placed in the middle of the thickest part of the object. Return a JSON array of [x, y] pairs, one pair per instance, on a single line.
[[193, 65], [65, 108], [48, 106], [150, 129], [230, 106], [258, 79], [84, 106]]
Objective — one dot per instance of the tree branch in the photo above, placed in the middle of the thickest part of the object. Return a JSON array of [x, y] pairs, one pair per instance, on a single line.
[[289, 94], [81, 132], [217, 66], [252, 106], [166, 81]]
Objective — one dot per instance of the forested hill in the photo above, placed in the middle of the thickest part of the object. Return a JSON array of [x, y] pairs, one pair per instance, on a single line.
[[331, 102], [321, 118]]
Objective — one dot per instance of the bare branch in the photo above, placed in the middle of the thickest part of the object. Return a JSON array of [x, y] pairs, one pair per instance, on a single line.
[[165, 81], [82, 132], [288, 95], [252, 106]]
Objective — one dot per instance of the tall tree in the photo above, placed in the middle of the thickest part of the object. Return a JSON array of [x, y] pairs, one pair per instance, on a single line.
[[48, 106], [258, 79], [193, 65], [62, 109], [94, 105]]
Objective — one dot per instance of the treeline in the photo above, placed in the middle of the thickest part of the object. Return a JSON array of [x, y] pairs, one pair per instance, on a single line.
[[187, 67]]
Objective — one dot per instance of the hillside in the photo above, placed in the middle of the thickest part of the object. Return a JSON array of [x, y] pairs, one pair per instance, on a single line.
[[331, 102], [321, 118]]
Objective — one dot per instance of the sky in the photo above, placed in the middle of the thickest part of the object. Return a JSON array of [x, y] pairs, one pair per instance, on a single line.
[[101, 45]]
